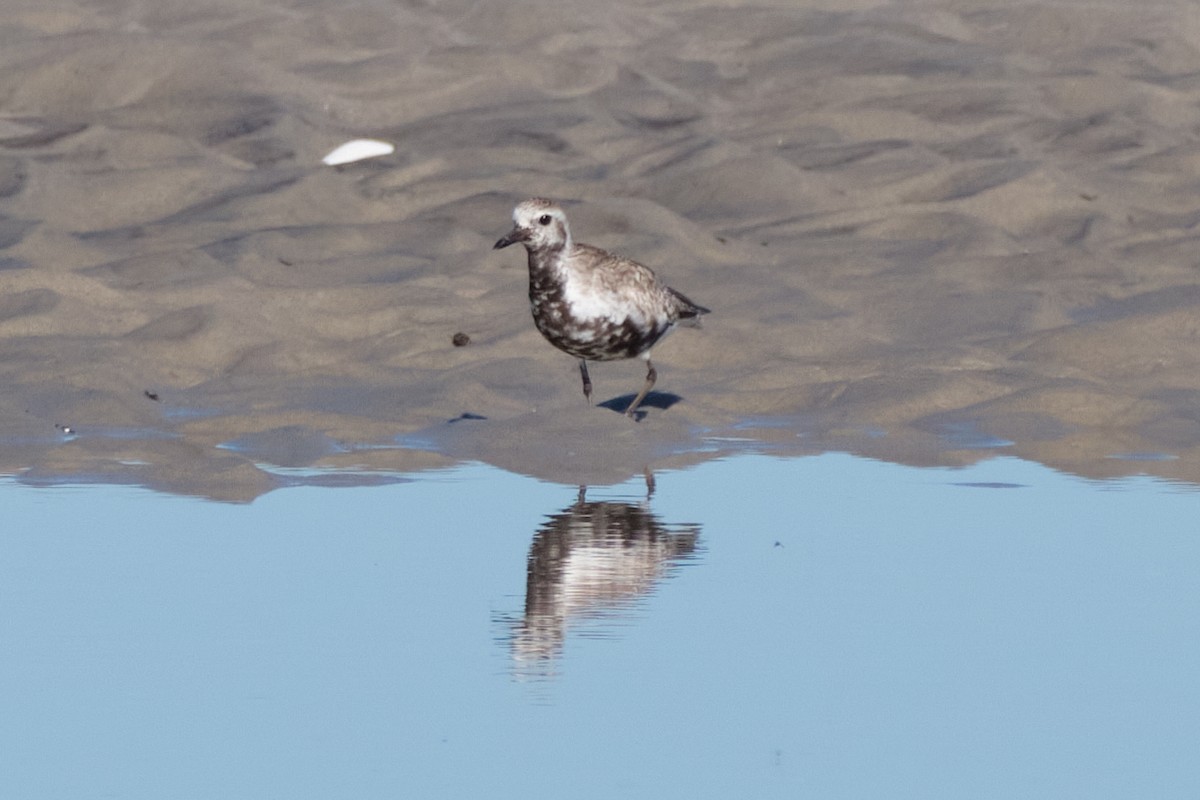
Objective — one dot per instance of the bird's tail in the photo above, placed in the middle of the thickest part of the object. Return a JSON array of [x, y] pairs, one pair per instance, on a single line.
[[689, 312]]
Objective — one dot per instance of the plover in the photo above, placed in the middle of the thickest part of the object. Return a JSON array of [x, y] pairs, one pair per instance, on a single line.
[[592, 304]]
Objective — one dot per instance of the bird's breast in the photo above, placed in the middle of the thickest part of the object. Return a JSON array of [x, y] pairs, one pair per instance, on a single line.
[[584, 317], [594, 336]]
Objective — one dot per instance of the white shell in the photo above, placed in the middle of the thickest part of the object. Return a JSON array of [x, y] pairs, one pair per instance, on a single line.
[[357, 150]]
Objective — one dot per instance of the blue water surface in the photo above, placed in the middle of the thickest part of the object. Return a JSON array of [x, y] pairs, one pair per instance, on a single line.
[[826, 627]]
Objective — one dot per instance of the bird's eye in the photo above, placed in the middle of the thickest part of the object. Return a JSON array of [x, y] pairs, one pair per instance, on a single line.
[[544, 219]]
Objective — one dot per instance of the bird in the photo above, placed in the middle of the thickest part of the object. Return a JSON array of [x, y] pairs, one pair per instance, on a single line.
[[590, 303]]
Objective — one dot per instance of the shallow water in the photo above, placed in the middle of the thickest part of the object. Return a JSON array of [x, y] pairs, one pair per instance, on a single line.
[[827, 626]]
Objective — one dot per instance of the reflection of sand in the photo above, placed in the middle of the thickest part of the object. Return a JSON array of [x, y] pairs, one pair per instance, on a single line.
[[908, 218]]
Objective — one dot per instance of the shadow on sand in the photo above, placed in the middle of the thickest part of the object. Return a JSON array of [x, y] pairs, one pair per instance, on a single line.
[[660, 400]]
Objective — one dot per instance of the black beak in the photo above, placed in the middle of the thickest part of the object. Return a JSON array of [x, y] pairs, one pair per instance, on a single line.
[[512, 237]]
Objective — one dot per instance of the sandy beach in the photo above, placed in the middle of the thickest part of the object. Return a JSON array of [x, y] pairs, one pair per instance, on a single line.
[[930, 231]]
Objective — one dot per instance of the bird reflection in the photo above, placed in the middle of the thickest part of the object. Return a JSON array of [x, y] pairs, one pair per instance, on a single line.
[[594, 560]]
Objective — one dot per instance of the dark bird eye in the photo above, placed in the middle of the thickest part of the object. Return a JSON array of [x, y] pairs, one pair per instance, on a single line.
[[544, 219]]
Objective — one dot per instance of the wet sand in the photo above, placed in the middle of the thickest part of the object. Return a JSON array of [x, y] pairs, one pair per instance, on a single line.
[[930, 232]]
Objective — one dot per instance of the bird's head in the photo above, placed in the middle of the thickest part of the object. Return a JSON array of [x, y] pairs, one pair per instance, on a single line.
[[539, 225]]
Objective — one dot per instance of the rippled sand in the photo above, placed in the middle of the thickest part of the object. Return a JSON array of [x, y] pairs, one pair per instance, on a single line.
[[929, 231]]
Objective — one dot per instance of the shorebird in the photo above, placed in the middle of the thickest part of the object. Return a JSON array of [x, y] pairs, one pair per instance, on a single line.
[[589, 303]]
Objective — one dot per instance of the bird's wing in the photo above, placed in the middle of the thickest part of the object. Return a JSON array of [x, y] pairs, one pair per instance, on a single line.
[[612, 272]]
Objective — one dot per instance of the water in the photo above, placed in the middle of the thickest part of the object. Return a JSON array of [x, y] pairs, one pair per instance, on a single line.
[[827, 626]]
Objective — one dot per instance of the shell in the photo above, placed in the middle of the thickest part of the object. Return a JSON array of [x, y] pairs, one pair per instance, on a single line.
[[357, 150]]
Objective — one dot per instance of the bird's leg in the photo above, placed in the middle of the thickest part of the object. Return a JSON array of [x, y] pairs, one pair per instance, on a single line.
[[651, 377], [587, 381]]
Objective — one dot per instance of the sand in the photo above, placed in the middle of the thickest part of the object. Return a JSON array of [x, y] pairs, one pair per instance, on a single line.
[[931, 231]]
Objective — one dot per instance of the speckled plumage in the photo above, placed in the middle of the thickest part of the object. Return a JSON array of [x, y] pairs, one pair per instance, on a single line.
[[589, 303]]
